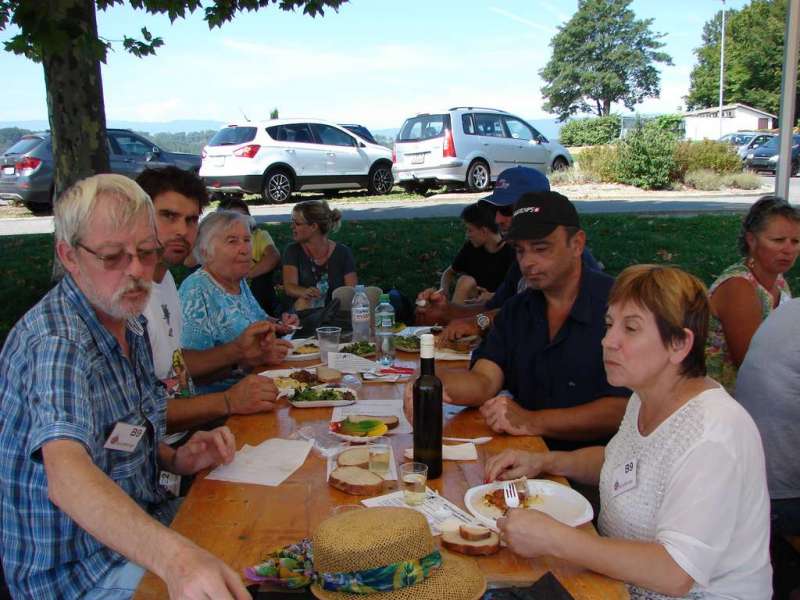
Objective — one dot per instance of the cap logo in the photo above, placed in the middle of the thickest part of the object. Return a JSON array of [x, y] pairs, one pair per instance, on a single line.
[[501, 184], [527, 209]]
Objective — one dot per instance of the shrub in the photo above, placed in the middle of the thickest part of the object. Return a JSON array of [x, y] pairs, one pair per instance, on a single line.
[[590, 132], [599, 162], [704, 179], [571, 176], [672, 123], [743, 181], [707, 154], [647, 158]]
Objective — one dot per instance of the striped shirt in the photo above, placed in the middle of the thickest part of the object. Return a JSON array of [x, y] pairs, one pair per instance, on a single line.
[[63, 376]]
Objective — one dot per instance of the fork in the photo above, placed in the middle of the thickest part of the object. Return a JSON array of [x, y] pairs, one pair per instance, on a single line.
[[511, 495]]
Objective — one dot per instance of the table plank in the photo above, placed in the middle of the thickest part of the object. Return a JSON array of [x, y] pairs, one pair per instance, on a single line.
[[240, 523]]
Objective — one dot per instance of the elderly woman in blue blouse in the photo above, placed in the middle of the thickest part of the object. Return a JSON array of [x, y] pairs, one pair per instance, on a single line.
[[216, 302], [684, 509]]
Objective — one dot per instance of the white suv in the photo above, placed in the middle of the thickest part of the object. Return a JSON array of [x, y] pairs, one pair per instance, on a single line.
[[275, 158], [469, 146]]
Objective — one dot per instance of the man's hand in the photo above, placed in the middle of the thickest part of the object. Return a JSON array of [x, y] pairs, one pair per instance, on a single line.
[[458, 328], [504, 415], [275, 350], [408, 400], [432, 307], [251, 343], [195, 574], [204, 449], [529, 533], [513, 464], [253, 394]]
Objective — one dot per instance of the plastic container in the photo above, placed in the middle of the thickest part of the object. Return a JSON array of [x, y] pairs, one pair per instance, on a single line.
[[359, 315], [384, 334]]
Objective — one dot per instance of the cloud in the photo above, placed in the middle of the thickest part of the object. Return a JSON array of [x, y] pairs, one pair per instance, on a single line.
[[561, 16], [548, 30]]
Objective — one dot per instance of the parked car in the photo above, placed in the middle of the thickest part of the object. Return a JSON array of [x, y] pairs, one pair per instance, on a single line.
[[277, 157], [27, 167], [360, 131], [469, 146], [765, 157], [755, 142], [738, 138]]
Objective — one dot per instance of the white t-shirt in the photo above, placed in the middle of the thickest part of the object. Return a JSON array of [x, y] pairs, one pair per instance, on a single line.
[[701, 492], [164, 327]]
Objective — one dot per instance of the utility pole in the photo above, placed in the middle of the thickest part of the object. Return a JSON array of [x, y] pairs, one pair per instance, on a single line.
[[721, 66]]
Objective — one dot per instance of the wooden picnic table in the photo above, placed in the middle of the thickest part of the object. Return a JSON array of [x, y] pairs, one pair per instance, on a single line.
[[240, 523]]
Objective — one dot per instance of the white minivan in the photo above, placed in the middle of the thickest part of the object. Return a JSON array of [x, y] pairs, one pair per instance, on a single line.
[[469, 146]]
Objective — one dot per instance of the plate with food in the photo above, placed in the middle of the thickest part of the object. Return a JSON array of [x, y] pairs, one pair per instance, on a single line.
[[487, 502], [363, 349], [362, 428], [323, 396], [407, 343], [305, 349], [290, 381]]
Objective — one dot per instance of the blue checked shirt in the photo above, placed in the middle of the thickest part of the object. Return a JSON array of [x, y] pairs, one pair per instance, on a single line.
[[63, 377]]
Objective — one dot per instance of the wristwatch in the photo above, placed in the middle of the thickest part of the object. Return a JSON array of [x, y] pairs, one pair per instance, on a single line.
[[483, 321]]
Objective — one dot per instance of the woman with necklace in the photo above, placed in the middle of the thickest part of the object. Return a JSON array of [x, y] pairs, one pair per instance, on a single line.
[[684, 509], [749, 290], [313, 265]]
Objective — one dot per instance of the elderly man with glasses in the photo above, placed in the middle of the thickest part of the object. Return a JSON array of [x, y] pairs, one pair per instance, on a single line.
[[84, 417]]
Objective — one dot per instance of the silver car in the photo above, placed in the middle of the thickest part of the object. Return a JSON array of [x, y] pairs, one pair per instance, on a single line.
[[469, 147]]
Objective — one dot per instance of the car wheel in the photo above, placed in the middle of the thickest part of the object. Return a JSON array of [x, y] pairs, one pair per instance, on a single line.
[[559, 163], [277, 186], [380, 180], [478, 177]]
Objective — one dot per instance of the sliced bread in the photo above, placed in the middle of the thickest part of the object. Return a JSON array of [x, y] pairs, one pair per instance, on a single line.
[[356, 481], [453, 541], [391, 421], [327, 375], [474, 533], [354, 457]]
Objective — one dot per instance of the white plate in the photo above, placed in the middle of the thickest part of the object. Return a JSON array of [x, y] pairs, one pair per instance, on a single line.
[[284, 392], [399, 349], [559, 501], [296, 344], [358, 439], [324, 403]]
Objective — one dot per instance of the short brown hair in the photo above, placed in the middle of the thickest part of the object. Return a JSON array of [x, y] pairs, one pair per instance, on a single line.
[[678, 301]]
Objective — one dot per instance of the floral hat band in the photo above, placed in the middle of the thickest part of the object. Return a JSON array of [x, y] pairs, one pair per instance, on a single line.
[[382, 579]]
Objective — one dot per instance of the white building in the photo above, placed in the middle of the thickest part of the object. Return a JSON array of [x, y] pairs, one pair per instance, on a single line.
[[704, 124]]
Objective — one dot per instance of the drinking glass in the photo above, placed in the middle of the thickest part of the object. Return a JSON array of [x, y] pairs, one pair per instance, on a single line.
[[413, 476], [328, 338], [380, 456]]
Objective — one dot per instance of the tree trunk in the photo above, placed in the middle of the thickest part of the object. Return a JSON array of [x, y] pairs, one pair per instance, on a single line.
[[75, 104], [606, 107]]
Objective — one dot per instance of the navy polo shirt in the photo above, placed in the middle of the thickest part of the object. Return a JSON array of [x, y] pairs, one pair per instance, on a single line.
[[562, 373]]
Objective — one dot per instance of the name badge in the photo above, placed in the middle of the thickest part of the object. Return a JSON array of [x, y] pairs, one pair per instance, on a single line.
[[125, 437], [624, 477], [170, 482]]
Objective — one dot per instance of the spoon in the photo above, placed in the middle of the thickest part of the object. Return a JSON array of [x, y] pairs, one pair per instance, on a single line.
[[477, 441]]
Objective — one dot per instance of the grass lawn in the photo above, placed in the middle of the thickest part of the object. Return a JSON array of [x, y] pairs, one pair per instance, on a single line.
[[411, 254]]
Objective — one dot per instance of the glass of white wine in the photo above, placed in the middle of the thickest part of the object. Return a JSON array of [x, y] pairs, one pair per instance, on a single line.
[[380, 456], [413, 477]]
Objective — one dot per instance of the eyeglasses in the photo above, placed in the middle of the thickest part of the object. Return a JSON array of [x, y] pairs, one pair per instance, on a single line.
[[118, 261], [298, 223]]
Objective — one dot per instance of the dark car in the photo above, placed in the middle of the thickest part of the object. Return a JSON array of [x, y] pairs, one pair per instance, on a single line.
[[26, 168], [765, 157], [360, 131]]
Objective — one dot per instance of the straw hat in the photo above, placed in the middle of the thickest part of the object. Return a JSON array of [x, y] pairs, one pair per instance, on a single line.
[[376, 537]]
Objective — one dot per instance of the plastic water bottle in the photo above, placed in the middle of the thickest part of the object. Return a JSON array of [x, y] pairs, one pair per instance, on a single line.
[[384, 336], [322, 286], [359, 315]]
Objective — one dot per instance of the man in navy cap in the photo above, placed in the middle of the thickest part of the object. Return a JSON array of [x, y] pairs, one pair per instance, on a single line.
[[544, 346]]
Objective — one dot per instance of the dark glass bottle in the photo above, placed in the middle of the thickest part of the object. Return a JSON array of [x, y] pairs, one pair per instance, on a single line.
[[428, 412]]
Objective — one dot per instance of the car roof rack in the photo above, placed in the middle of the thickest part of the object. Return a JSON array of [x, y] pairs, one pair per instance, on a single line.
[[479, 108]]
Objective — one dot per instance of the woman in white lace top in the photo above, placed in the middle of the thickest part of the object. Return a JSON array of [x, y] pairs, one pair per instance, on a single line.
[[684, 504]]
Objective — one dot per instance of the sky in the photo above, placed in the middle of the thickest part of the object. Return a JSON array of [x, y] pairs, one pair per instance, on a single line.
[[375, 62]]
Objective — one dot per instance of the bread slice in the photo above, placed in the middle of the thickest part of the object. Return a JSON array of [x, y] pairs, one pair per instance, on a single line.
[[391, 421], [453, 541], [356, 481], [354, 457], [474, 533], [327, 375]]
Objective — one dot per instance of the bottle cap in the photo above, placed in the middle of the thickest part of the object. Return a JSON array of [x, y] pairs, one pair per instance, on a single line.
[[385, 298], [426, 346]]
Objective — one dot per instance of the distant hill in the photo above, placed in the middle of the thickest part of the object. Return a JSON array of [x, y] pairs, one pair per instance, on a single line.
[[180, 126]]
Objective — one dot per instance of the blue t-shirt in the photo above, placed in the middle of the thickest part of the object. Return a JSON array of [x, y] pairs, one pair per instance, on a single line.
[[562, 373], [213, 317], [63, 376]]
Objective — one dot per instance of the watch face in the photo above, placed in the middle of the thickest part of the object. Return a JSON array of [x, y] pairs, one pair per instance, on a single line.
[[483, 321]]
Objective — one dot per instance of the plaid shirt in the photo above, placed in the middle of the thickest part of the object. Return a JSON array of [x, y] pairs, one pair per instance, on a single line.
[[63, 377]]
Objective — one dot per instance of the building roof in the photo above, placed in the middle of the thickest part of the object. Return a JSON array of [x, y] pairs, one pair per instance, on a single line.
[[715, 109]]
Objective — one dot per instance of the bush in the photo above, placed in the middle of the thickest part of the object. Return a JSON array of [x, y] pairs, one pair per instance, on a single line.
[[599, 162], [590, 132], [647, 158], [704, 179], [743, 181], [707, 154], [571, 176]]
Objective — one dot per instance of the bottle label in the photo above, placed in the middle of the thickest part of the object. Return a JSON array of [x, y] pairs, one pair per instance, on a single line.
[[360, 315]]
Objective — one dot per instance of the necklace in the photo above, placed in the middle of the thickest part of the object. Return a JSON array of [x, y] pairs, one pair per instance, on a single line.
[[319, 259]]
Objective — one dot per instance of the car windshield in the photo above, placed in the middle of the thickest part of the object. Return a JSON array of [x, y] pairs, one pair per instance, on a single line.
[[231, 136], [24, 145], [423, 127]]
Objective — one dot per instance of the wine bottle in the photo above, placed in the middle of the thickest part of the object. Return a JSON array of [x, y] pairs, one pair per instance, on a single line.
[[427, 394]]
